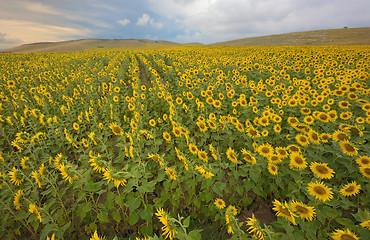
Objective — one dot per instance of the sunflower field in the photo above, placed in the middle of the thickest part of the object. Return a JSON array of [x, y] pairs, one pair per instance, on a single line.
[[186, 143]]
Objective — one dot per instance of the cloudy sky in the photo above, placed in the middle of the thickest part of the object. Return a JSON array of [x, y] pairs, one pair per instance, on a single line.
[[184, 21]]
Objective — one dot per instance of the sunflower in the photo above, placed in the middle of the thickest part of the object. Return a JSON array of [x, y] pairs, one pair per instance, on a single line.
[[212, 124], [303, 210], [272, 168], [365, 171], [363, 161], [293, 120], [33, 209], [345, 115], [115, 176], [255, 229], [168, 229], [323, 117], [264, 121], [66, 173], [203, 155], [166, 136], [98, 164], [283, 210], [305, 111], [76, 126], [179, 101], [193, 149], [220, 204], [252, 132], [348, 148], [343, 235], [155, 158], [281, 152], [16, 177], [320, 191], [325, 137], [322, 170], [298, 161], [274, 158], [344, 104], [17, 198], [302, 139], [314, 136], [340, 136], [350, 189], [152, 122], [116, 129], [35, 175], [231, 155], [202, 126], [309, 120], [22, 137], [265, 149], [23, 162], [171, 173], [365, 224], [217, 103]]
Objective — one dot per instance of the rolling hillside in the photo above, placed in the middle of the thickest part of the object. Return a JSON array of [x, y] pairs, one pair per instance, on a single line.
[[84, 44], [343, 36]]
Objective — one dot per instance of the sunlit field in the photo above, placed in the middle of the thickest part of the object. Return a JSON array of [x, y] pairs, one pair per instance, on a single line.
[[186, 143]]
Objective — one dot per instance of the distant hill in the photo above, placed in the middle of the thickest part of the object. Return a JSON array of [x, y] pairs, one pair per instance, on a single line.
[[85, 44], [343, 36]]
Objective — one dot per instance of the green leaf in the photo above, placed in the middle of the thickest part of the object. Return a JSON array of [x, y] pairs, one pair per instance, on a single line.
[[186, 222], [195, 235], [133, 203], [83, 209], [146, 187], [116, 216], [147, 213], [218, 188], [109, 204], [103, 215], [47, 229], [146, 230], [133, 218]]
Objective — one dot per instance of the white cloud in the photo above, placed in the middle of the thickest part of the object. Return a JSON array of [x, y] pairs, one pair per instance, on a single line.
[[145, 19], [124, 22], [209, 21]]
